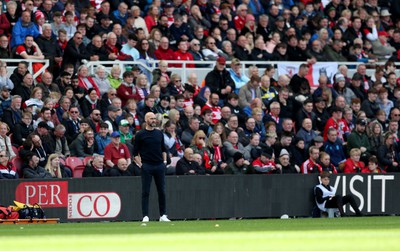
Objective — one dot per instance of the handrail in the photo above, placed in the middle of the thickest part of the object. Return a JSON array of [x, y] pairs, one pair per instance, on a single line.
[[45, 62]]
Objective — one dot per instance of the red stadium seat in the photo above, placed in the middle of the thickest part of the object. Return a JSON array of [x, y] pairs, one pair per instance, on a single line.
[[86, 160], [78, 171], [73, 162], [17, 162]]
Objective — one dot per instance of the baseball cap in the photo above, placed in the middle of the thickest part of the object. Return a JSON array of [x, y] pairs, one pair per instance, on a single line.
[[318, 139], [124, 122], [221, 60], [5, 88], [115, 135], [361, 122], [357, 76], [44, 125], [237, 156], [113, 108]]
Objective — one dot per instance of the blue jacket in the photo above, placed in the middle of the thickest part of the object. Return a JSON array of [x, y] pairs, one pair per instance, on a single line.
[[19, 32], [335, 150]]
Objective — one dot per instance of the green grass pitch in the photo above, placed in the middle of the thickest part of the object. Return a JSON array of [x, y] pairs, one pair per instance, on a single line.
[[365, 233]]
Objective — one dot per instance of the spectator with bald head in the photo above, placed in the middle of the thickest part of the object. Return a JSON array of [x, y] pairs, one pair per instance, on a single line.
[[187, 165]]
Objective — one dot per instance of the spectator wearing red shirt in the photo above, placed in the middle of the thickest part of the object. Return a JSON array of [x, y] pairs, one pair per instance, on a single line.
[[353, 164], [164, 52], [311, 165], [373, 166], [182, 54], [240, 18], [214, 107], [337, 122], [115, 151], [152, 17]]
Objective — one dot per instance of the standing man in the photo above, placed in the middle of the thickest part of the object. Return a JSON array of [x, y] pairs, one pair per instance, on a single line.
[[149, 151]]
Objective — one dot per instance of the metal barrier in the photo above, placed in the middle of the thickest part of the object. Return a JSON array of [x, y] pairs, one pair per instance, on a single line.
[[14, 62], [206, 66]]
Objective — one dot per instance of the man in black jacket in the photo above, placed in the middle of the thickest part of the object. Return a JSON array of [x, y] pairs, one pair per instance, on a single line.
[[187, 166], [219, 80], [75, 52], [50, 48]]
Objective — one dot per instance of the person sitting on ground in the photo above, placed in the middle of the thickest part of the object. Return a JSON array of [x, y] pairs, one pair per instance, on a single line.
[[325, 197]]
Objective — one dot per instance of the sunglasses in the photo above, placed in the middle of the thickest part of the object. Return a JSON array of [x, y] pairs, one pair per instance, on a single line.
[[202, 138], [74, 112], [1, 156]]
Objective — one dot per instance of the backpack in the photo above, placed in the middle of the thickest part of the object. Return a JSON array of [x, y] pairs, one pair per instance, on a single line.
[[27, 211]]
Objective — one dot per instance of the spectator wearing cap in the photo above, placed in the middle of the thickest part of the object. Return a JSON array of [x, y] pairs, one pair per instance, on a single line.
[[356, 87], [340, 88], [249, 26], [111, 119], [358, 138], [239, 165], [124, 132], [286, 164], [336, 121], [219, 80], [370, 105], [75, 52], [84, 145], [22, 28], [382, 49], [187, 166], [163, 106], [265, 163], [116, 150], [321, 113]]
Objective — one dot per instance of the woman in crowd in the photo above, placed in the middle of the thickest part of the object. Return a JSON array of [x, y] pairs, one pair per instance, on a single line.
[[7, 169], [388, 155], [219, 128], [353, 164], [171, 140], [214, 145], [5, 141], [55, 167], [101, 80], [115, 77], [174, 117], [203, 97], [375, 134], [36, 100], [86, 81], [90, 102]]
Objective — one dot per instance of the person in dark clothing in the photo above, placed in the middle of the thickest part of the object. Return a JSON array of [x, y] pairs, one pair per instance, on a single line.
[[95, 167], [75, 52], [187, 166], [23, 129], [32, 170], [18, 75], [325, 197], [121, 169], [149, 151], [239, 165], [219, 80]]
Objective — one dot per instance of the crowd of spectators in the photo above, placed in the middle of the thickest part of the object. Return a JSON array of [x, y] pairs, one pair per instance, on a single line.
[[226, 123]]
